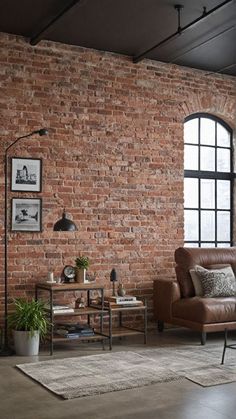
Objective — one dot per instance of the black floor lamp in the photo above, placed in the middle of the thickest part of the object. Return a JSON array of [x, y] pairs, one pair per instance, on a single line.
[[6, 350]]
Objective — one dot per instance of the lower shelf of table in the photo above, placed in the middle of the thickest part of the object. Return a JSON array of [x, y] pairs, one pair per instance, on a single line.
[[95, 337], [125, 331]]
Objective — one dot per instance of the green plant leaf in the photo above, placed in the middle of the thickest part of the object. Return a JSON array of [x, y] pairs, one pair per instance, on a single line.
[[82, 262], [29, 316]]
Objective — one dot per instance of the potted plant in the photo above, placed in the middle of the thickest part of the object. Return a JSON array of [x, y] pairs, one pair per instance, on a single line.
[[29, 323], [82, 263]]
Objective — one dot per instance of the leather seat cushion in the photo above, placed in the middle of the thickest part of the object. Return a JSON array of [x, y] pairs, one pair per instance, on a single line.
[[205, 310]]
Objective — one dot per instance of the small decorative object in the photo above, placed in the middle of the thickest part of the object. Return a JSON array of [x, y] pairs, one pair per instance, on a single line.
[[113, 279], [26, 214], [26, 174], [82, 264], [50, 276], [80, 302], [121, 290], [69, 273], [90, 277], [29, 322]]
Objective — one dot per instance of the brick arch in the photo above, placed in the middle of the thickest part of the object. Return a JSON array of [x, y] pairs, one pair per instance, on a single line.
[[220, 106]]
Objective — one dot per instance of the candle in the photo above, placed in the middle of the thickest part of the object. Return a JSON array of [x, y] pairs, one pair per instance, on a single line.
[[50, 276]]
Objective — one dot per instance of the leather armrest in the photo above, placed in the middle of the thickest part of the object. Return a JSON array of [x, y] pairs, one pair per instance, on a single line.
[[165, 293]]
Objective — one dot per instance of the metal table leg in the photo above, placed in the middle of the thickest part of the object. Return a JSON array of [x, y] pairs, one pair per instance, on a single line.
[[110, 329]]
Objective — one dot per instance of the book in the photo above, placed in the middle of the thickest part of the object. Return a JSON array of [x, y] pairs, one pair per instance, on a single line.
[[60, 309], [120, 299], [68, 335], [110, 304], [71, 328], [63, 310], [79, 335]]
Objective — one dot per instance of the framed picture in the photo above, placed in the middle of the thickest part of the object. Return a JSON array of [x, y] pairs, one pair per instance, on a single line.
[[26, 174], [26, 214]]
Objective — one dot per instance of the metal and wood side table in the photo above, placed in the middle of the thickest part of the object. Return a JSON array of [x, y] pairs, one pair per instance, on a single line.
[[88, 311], [124, 330]]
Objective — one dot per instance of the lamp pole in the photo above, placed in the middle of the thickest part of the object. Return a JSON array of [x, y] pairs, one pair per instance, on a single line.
[[6, 350]]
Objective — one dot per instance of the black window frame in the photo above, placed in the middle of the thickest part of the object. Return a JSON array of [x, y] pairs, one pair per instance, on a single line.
[[200, 174]]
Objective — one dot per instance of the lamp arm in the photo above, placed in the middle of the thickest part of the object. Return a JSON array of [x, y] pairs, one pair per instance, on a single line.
[[19, 138]]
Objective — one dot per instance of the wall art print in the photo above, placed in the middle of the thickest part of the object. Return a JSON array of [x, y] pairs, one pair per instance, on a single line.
[[26, 214], [26, 174]]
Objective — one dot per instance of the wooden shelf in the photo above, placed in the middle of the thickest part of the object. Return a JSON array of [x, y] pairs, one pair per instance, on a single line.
[[125, 331], [97, 336], [80, 312], [127, 308], [71, 286]]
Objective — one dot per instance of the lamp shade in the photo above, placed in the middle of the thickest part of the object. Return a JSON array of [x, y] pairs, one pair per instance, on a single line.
[[113, 275], [64, 224]]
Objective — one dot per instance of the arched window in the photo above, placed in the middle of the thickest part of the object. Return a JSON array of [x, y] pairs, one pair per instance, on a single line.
[[208, 182]]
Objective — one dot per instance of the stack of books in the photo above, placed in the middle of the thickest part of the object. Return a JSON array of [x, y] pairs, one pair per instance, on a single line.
[[126, 301], [61, 309], [73, 331]]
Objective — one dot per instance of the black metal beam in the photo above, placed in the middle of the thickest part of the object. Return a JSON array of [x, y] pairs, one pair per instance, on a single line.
[[39, 36], [176, 57], [180, 30]]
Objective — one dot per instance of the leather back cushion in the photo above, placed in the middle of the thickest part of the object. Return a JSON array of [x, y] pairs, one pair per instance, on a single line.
[[187, 257]]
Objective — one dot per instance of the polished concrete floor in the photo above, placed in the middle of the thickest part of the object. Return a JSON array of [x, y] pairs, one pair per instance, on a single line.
[[22, 398]]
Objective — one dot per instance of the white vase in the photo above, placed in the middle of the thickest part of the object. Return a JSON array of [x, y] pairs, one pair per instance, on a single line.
[[26, 344]]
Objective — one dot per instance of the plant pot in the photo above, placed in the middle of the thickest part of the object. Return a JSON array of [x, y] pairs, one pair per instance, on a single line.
[[25, 343], [80, 275]]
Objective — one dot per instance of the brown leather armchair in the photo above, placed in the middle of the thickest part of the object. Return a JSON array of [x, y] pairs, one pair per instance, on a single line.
[[175, 301]]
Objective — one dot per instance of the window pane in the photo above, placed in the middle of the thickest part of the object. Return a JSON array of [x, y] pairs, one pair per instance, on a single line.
[[190, 193], [191, 131], [207, 159], [223, 244], [223, 194], [207, 225], [223, 160], [187, 244], [223, 226], [207, 133], [208, 244], [207, 193], [190, 157], [191, 225], [223, 136]]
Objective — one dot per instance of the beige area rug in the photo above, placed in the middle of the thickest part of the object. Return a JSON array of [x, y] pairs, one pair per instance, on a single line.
[[114, 371]]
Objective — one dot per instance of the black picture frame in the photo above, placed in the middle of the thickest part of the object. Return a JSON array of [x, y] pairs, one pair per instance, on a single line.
[[26, 214], [26, 174]]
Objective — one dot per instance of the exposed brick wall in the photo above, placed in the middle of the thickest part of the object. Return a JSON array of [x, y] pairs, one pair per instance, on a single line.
[[114, 157]]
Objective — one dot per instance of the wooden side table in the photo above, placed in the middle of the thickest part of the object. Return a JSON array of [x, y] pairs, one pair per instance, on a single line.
[[124, 330], [88, 311]]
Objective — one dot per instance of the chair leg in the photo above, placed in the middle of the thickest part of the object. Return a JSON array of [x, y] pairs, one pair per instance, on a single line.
[[203, 338], [225, 346], [160, 325]]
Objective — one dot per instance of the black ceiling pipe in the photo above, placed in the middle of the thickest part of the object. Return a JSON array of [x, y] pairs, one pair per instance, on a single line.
[[180, 30]]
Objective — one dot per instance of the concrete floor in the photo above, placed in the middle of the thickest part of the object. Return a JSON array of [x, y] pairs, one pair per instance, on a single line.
[[22, 398]]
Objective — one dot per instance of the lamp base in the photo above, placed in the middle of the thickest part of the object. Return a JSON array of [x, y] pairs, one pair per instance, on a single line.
[[6, 351], [114, 293]]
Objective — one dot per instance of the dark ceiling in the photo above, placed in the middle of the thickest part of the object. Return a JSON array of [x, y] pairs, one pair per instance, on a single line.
[[206, 37]]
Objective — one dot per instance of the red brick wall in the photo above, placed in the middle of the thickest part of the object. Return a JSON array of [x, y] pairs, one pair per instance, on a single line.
[[114, 157]]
